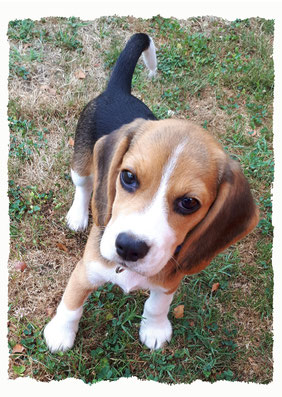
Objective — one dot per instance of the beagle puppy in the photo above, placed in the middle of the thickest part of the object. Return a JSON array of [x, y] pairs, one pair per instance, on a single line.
[[166, 200]]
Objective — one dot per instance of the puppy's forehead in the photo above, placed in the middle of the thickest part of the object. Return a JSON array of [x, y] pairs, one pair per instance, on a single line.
[[159, 140]]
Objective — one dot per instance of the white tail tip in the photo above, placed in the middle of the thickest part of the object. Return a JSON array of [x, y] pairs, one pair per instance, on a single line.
[[150, 58]]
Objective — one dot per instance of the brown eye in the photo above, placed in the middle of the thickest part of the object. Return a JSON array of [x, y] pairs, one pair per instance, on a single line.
[[186, 205], [129, 181]]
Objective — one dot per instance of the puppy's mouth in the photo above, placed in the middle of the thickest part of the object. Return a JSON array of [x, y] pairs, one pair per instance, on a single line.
[[121, 266], [147, 265]]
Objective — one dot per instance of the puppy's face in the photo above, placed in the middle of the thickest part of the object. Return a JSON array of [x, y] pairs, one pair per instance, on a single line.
[[165, 185]]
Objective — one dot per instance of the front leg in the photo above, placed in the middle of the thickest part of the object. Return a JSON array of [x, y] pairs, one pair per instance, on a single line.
[[155, 327], [61, 331]]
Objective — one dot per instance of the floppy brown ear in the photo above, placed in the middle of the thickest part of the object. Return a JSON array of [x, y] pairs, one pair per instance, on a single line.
[[232, 216], [107, 157]]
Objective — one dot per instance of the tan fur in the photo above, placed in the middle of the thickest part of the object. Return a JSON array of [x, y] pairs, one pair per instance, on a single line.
[[78, 288], [82, 163], [203, 171], [232, 216]]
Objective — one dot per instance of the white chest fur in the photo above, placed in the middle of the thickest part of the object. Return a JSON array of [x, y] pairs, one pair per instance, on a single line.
[[127, 280]]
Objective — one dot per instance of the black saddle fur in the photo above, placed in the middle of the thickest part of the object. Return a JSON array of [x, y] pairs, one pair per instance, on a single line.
[[116, 106]]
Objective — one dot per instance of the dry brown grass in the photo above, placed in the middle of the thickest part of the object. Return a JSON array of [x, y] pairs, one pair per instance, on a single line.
[[52, 97]]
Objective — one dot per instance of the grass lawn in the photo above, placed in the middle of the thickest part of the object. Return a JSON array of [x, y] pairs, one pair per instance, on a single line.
[[216, 73]]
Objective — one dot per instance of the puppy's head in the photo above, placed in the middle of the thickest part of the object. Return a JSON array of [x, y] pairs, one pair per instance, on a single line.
[[166, 189]]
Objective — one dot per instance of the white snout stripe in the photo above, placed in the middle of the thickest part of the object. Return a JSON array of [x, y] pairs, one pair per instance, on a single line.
[[159, 198]]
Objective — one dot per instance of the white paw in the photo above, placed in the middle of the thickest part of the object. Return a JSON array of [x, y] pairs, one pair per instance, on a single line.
[[60, 336], [77, 218], [154, 335]]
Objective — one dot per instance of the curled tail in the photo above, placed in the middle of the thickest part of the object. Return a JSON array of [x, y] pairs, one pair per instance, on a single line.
[[121, 76]]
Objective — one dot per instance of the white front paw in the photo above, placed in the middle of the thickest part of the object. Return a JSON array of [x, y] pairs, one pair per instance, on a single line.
[[77, 218], [60, 336], [154, 334]]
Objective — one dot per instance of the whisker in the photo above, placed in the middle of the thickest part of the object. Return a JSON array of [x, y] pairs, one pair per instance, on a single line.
[[178, 266]]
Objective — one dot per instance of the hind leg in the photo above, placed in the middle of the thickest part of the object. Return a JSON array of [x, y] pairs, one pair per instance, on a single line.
[[77, 217], [82, 168], [82, 177]]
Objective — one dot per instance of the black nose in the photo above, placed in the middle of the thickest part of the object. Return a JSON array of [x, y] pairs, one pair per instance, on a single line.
[[130, 248]]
